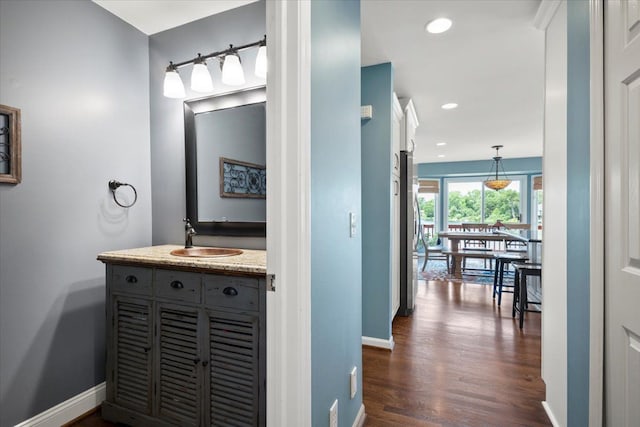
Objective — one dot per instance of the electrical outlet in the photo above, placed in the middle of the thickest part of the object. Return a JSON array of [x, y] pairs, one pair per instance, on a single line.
[[353, 376], [352, 224], [333, 414]]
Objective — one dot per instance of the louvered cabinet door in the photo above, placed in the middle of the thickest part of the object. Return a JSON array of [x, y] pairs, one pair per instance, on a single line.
[[233, 389], [179, 366], [132, 338]]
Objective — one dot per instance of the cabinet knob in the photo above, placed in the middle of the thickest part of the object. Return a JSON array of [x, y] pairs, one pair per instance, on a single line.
[[196, 361], [205, 363], [176, 284], [232, 292], [131, 279]]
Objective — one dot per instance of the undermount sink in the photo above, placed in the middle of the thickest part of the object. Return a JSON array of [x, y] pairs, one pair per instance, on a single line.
[[205, 252]]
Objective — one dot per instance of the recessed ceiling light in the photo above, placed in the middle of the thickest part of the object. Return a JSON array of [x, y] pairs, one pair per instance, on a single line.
[[440, 144], [449, 106], [441, 155], [438, 26]]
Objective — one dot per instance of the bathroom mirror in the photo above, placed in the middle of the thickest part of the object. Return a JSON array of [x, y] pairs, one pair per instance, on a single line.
[[225, 153]]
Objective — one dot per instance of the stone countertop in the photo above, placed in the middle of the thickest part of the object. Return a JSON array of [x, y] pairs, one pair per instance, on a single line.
[[250, 261]]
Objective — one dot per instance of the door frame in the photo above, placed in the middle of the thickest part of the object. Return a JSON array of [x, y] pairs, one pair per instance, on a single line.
[[597, 219], [288, 213]]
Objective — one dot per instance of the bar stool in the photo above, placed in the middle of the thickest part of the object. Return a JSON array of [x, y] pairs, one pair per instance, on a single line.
[[520, 296], [502, 259]]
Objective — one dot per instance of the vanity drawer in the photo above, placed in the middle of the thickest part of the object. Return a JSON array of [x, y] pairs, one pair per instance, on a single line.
[[178, 285], [132, 280], [232, 292]]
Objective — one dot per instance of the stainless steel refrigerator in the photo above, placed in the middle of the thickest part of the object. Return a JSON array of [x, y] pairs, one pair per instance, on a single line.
[[410, 229]]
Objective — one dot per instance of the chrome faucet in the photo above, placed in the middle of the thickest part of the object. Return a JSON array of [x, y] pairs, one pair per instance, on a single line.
[[189, 232]]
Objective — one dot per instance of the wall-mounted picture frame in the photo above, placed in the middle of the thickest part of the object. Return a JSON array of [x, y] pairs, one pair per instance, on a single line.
[[240, 179], [10, 145]]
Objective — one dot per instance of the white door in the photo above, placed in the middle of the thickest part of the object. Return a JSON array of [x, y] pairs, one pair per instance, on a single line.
[[622, 228]]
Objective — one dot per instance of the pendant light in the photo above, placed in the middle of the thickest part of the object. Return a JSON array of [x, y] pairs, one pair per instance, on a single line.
[[173, 87], [232, 72], [261, 62], [200, 77], [495, 182]]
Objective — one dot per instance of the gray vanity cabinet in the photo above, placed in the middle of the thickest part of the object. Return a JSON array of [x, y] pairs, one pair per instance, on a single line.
[[131, 341], [185, 348]]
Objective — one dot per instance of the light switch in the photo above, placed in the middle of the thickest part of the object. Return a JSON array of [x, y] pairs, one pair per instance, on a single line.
[[352, 224]]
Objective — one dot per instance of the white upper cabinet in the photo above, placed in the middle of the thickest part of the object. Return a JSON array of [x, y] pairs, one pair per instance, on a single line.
[[409, 125], [396, 141]]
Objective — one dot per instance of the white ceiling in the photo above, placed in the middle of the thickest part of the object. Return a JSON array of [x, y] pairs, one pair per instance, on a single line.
[[491, 62], [153, 16]]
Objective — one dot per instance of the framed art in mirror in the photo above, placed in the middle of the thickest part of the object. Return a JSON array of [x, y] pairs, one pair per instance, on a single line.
[[10, 145]]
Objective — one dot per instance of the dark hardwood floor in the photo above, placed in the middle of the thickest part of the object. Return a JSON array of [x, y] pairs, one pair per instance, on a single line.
[[458, 361]]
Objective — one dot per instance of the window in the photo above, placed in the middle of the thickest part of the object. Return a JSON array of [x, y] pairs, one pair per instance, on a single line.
[[537, 206], [469, 201], [428, 206]]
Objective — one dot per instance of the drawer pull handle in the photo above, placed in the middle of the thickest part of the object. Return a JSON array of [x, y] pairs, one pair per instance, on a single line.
[[232, 292], [131, 279], [176, 284]]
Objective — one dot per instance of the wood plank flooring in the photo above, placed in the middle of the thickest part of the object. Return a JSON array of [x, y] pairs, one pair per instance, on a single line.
[[458, 361]]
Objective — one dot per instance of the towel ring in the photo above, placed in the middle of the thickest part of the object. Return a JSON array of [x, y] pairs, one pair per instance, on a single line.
[[114, 185]]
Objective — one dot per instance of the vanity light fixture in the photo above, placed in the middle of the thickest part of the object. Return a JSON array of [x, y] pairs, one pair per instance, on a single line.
[[441, 144], [232, 72], [200, 77], [261, 62], [173, 87], [449, 106], [495, 182]]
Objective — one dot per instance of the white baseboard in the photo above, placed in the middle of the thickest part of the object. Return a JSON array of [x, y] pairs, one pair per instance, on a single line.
[[552, 418], [359, 421], [69, 409], [378, 342]]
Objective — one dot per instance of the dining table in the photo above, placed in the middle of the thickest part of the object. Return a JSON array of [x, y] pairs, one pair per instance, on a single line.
[[477, 236]]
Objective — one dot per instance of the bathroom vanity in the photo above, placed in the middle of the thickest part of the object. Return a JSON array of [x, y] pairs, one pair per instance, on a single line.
[[185, 338]]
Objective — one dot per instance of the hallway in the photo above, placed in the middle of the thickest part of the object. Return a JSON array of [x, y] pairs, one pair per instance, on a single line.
[[458, 361]]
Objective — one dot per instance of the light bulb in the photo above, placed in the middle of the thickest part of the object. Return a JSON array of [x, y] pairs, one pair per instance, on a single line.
[[173, 87], [261, 63], [200, 78], [232, 73]]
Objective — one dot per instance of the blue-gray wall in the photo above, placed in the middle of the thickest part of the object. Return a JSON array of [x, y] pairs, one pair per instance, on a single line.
[[80, 76], [519, 166], [377, 90], [238, 26], [578, 208], [336, 259]]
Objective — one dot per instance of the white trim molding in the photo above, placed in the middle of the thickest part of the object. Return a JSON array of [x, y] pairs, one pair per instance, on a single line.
[[379, 342], [288, 213], [69, 409], [596, 251], [552, 418], [360, 417], [545, 13]]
